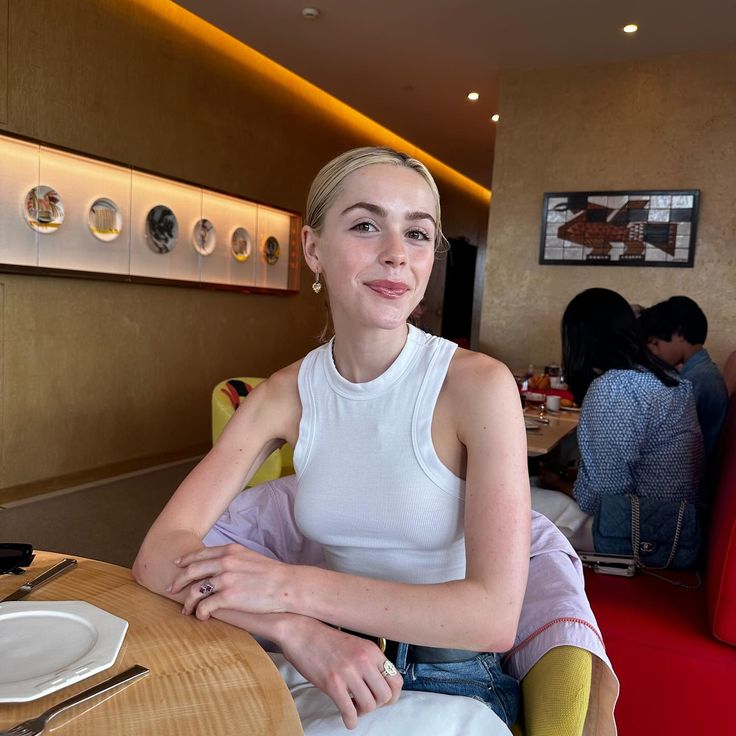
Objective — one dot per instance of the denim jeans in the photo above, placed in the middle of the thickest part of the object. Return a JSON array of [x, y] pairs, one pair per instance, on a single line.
[[480, 678]]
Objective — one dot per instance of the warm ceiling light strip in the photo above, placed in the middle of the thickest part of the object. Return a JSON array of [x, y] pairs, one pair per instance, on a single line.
[[222, 43]]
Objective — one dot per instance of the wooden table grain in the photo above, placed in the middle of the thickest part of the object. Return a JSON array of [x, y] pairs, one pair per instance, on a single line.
[[548, 436], [205, 677]]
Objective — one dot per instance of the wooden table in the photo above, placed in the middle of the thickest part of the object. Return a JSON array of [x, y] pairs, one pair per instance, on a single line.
[[206, 677], [548, 436]]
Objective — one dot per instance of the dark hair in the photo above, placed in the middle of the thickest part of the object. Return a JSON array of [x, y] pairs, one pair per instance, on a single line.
[[679, 315], [599, 332]]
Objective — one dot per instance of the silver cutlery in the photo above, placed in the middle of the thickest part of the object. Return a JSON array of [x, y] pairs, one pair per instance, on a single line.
[[66, 564], [35, 726]]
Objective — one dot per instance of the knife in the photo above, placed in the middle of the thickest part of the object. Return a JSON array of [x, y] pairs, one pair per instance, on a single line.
[[66, 564]]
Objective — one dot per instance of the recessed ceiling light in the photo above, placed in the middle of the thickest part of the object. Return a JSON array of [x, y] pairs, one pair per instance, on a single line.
[[473, 96], [310, 13], [495, 117], [631, 28]]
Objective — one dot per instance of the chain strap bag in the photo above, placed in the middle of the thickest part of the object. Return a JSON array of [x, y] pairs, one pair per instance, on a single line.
[[658, 534]]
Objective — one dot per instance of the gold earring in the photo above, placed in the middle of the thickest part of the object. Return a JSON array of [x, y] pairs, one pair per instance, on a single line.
[[316, 286]]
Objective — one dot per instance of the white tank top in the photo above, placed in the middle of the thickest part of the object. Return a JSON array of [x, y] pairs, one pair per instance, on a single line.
[[371, 489]]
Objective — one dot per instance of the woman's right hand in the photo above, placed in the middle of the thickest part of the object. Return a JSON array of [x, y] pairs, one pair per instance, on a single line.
[[347, 668]]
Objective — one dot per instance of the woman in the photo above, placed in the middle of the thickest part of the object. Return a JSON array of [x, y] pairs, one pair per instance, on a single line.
[[638, 431], [411, 464]]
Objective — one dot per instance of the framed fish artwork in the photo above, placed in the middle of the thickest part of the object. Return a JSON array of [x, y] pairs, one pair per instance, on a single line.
[[629, 228]]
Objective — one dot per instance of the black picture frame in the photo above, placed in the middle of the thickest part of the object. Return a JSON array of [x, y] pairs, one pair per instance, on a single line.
[[620, 228]]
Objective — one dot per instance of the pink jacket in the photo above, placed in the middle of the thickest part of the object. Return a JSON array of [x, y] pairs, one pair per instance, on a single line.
[[555, 611]]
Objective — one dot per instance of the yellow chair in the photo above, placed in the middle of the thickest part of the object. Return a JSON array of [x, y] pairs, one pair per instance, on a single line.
[[555, 694], [226, 397]]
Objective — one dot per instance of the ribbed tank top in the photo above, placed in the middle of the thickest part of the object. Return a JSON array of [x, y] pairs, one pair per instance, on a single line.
[[371, 489]]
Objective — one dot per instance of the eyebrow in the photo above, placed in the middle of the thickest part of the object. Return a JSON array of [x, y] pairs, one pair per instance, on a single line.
[[381, 212]]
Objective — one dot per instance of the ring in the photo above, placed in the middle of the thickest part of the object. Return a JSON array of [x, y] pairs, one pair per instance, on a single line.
[[207, 588], [389, 669]]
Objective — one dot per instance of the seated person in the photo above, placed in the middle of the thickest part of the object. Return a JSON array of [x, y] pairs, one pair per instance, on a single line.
[[675, 331], [638, 431], [411, 459], [729, 373]]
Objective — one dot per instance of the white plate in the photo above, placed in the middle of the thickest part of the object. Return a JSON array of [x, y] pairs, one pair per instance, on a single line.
[[241, 244], [104, 219], [49, 645], [162, 229], [575, 409], [43, 209], [531, 425], [204, 237]]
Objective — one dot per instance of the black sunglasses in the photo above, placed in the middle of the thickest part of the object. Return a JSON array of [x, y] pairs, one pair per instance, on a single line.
[[14, 557]]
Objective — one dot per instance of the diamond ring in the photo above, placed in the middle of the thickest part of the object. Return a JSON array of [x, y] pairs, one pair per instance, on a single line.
[[389, 669]]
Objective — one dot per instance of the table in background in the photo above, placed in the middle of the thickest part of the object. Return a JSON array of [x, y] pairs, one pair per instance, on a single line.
[[206, 677], [548, 436]]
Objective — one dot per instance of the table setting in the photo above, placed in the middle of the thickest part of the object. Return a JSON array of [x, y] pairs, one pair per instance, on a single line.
[[83, 644]]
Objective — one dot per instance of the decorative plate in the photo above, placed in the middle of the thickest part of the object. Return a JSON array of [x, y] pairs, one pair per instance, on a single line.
[[204, 237], [43, 209], [241, 244], [162, 229], [104, 219], [271, 250], [49, 645]]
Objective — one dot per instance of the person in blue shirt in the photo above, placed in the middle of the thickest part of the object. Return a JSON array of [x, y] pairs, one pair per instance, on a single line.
[[675, 331], [638, 431]]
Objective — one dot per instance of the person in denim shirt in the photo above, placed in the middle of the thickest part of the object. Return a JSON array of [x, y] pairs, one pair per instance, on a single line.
[[638, 430], [675, 331]]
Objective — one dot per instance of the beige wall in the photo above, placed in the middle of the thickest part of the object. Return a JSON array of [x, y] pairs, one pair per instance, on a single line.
[[3, 60], [665, 123], [99, 374]]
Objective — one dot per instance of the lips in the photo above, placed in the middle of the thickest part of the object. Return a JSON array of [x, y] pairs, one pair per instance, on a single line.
[[388, 289]]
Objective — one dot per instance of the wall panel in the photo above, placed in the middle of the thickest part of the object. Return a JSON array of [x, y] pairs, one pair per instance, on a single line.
[[97, 373], [663, 123]]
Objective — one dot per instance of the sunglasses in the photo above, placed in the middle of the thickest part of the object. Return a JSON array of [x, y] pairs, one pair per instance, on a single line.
[[14, 557]]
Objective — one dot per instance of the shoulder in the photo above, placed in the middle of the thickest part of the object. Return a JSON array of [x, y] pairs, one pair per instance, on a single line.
[[479, 388], [275, 398], [283, 381], [472, 372]]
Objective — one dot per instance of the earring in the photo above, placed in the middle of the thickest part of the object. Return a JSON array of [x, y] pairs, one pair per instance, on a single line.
[[316, 286]]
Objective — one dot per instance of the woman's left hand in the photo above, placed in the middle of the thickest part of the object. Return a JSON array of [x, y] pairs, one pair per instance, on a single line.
[[240, 579]]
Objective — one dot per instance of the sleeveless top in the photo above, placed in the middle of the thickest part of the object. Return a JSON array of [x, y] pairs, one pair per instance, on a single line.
[[371, 489]]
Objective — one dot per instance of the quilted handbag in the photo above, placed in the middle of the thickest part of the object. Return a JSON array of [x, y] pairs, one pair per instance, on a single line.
[[658, 534]]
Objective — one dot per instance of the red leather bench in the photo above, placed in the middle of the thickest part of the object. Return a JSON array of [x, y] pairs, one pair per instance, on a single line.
[[673, 648]]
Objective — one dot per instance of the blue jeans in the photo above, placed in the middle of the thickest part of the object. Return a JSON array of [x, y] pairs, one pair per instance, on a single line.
[[480, 678]]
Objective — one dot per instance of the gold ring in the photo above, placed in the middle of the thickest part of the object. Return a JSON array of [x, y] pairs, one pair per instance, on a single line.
[[389, 669]]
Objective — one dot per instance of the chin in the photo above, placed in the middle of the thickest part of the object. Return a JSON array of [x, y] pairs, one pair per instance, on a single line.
[[386, 321]]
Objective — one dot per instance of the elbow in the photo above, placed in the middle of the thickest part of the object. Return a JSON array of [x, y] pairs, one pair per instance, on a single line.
[[506, 640], [500, 640], [142, 572], [499, 636], [139, 570]]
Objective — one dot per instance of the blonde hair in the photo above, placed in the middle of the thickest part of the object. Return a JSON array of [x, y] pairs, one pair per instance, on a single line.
[[326, 185]]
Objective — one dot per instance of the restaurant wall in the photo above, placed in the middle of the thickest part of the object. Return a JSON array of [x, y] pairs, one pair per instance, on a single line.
[[102, 377], [663, 123]]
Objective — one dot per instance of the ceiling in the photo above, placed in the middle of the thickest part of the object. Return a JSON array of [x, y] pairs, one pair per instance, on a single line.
[[409, 64]]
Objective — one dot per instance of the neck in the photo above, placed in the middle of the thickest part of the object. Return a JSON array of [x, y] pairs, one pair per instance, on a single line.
[[690, 350], [362, 356]]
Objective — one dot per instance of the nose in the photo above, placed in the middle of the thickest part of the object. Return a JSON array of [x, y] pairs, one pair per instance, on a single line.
[[394, 251]]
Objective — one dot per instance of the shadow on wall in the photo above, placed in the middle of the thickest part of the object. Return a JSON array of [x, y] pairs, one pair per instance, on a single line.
[[106, 521]]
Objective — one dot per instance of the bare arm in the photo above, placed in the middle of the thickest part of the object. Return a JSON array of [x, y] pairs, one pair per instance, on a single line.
[[479, 612], [346, 668], [268, 416]]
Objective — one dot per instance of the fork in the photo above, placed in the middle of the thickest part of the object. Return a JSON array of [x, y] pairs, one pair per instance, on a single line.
[[36, 726]]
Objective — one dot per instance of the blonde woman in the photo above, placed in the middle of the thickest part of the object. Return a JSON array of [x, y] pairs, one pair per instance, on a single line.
[[411, 466]]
